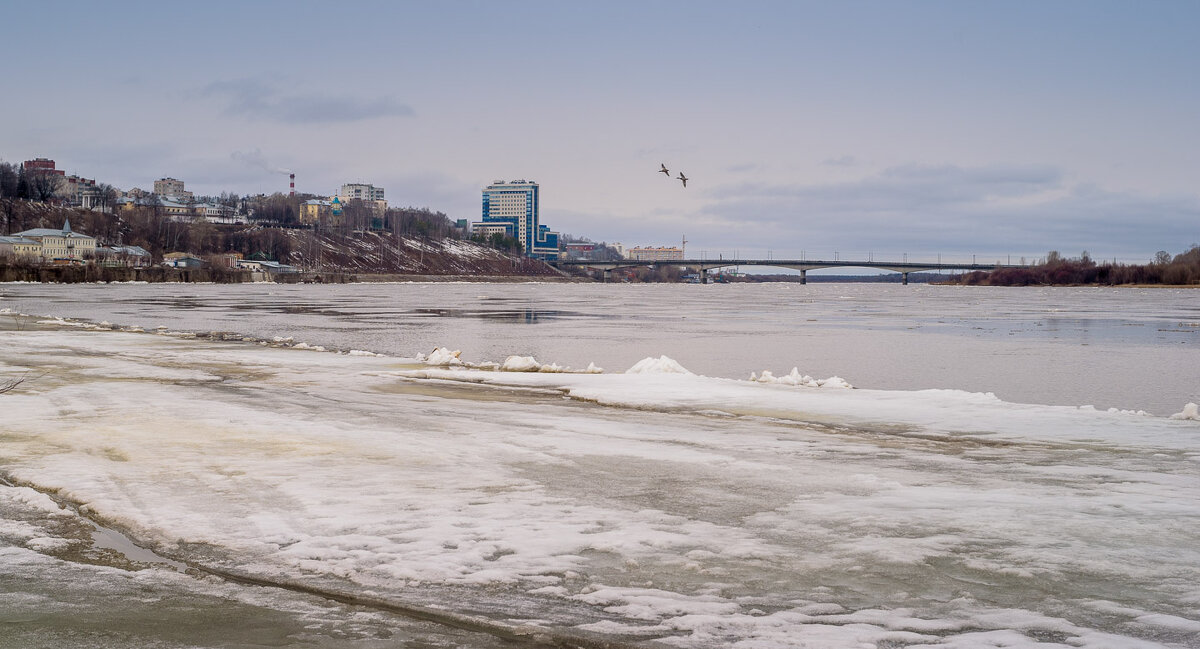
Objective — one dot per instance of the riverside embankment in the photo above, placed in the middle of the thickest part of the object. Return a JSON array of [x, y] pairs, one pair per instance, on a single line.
[[157, 274]]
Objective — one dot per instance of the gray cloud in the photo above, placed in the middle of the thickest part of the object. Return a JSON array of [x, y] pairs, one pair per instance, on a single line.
[[1019, 209], [743, 168], [842, 161], [260, 100]]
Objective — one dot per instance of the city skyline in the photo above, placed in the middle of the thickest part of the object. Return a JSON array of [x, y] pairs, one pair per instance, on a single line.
[[917, 128]]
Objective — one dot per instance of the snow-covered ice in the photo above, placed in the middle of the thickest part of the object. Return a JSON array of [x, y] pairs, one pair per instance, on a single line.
[[631, 508]]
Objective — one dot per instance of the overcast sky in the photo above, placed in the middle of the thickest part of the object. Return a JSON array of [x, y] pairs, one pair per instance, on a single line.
[[884, 128]]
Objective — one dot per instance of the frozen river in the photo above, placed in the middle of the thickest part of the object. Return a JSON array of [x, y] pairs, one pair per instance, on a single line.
[[1007, 473]]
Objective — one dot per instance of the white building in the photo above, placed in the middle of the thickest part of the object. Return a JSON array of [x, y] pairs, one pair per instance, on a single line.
[[17, 247], [488, 229], [362, 192], [62, 246], [217, 213], [655, 254]]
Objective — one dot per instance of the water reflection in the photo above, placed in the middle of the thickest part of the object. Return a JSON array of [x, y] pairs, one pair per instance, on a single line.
[[1123, 348], [525, 316]]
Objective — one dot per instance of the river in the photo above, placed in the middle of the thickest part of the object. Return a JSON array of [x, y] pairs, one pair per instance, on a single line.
[[1006, 472]]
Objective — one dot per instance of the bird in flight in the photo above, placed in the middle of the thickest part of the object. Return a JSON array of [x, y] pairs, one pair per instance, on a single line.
[[683, 178], [664, 170]]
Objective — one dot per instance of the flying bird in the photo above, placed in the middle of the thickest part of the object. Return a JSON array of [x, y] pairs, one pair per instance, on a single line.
[[683, 178], [664, 170]]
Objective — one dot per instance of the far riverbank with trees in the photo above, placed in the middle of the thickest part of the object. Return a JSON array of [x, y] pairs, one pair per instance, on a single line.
[[1180, 270]]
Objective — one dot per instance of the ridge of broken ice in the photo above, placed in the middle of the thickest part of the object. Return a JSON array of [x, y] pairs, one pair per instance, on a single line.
[[1190, 411], [444, 357], [796, 378]]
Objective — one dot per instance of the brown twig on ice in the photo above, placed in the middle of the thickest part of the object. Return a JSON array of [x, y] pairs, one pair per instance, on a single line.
[[10, 385]]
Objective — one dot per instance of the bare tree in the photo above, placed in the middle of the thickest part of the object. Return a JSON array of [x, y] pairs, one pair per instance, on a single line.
[[9, 180], [106, 197], [42, 186]]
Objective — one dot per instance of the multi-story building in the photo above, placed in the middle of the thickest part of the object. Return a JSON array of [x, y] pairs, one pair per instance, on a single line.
[[318, 211], [172, 188], [19, 247], [176, 209], [514, 205], [62, 246], [370, 195], [216, 213], [361, 191], [77, 191], [42, 166], [655, 254], [579, 250], [488, 229]]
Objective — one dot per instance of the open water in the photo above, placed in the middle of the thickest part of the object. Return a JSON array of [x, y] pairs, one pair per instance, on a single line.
[[1124, 348]]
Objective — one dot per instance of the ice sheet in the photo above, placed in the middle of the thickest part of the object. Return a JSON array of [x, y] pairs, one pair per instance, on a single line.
[[704, 512]]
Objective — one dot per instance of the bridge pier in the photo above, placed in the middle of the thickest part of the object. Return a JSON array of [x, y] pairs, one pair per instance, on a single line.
[[703, 275], [803, 276], [904, 279]]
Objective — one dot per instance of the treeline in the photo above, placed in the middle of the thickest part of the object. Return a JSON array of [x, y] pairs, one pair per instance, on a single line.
[[150, 227], [19, 183], [883, 278], [1182, 269], [284, 211]]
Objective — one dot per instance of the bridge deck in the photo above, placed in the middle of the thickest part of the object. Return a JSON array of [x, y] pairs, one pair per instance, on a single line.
[[794, 264]]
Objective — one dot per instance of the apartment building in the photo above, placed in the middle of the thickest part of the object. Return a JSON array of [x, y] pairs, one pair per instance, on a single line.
[[172, 188]]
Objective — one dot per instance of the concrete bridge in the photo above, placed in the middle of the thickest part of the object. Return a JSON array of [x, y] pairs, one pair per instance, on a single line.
[[702, 266]]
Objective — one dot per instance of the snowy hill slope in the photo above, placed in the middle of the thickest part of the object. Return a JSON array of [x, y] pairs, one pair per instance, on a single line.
[[385, 253]]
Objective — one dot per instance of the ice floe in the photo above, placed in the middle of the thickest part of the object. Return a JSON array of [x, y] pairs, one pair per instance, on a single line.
[[796, 378]]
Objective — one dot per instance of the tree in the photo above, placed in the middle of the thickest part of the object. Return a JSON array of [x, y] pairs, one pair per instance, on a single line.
[[106, 197], [9, 180], [42, 186], [1161, 258]]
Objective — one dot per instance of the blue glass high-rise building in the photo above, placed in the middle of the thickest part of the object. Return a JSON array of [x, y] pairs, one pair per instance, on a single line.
[[512, 207]]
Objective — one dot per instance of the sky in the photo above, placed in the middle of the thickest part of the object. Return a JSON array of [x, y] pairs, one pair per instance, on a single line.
[[884, 130]]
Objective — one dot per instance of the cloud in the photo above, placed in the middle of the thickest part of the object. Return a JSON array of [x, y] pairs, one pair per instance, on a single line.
[[255, 99], [1017, 209], [743, 168], [843, 161]]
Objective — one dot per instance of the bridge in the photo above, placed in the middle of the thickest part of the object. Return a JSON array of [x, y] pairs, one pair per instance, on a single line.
[[702, 266]]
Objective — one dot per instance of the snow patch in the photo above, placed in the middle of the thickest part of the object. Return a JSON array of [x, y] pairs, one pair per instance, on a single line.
[[660, 365], [441, 356], [1190, 411], [520, 364]]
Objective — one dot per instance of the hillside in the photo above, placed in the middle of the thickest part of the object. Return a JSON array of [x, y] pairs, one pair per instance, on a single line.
[[388, 254], [360, 254]]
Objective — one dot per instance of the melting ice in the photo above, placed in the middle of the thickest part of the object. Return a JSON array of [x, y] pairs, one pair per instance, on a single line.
[[650, 504]]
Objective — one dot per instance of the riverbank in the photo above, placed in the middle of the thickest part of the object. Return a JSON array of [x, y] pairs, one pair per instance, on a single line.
[[367, 278], [85, 274], [156, 275]]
